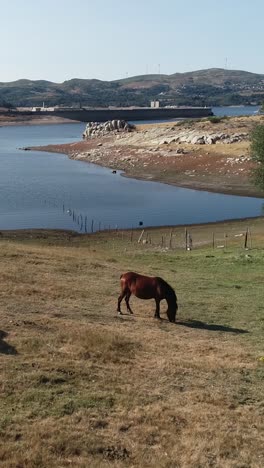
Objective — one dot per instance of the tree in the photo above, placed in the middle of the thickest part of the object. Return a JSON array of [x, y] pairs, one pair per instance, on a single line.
[[6, 104], [257, 154]]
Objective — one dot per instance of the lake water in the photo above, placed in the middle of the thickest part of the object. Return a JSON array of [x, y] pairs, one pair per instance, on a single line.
[[45, 190], [232, 111]]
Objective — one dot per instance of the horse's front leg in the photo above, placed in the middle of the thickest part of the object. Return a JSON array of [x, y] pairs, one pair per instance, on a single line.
[[127, 302], [157, 311]]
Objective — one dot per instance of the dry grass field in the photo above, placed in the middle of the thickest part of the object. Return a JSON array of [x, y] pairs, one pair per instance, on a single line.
[[83, 387]]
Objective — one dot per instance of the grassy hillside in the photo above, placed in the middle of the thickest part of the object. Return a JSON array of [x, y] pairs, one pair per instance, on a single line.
[[212, 76], [81, 386], [218, 77], [211, 87]]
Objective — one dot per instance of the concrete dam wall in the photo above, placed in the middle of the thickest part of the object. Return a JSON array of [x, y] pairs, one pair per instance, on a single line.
[[127, 114], [102, 115]]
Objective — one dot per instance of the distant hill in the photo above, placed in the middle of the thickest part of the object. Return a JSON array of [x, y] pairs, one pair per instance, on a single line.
[[215, 86]]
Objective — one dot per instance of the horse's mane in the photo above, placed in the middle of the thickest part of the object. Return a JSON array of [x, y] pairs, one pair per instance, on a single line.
[[168, 287]]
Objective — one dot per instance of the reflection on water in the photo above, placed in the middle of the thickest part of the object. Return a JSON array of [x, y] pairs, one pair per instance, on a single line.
[[81, 222]]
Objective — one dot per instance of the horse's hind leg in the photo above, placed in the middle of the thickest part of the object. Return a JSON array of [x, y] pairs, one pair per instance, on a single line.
[[157, 311], [128, 294], [121, 297]]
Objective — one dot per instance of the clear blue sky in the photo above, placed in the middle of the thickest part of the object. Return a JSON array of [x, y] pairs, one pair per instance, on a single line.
[[109, 39]]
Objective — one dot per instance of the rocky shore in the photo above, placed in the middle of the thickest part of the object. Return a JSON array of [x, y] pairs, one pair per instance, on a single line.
[[209, 154], [98, 129]]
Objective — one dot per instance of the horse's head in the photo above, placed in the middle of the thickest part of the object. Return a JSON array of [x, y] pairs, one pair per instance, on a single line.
[[171, 313], [172, 310], [172, 305]]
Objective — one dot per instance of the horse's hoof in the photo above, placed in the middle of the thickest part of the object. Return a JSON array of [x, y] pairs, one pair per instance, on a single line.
[[119, 312]]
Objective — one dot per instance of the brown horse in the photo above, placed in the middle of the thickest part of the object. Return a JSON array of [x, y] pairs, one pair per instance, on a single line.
[[146, 287]]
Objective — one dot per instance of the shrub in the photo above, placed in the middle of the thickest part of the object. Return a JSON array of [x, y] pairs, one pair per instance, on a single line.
[[215, 120], [187, 122], [257, 153]]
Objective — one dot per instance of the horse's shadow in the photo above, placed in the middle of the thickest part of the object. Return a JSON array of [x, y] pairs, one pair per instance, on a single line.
[[6, 348], [210, 327]]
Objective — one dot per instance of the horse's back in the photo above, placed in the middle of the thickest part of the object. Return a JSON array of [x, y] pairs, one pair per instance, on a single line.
[[143, 287], [132, 277], [129, 275]]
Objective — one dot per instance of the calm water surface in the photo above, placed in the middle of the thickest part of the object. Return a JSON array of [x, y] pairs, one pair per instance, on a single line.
[[44, 190], [232, 111]]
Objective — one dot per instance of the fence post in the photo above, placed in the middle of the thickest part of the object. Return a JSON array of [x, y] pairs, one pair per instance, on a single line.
[[213, 240], [170, 242], [250, 238], [92, 225], [81, 221], [140, 237], [189, 241], [246, 239], [186, 238]]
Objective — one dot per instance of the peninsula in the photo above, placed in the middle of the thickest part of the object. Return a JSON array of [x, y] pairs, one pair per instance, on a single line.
[[209, 154]]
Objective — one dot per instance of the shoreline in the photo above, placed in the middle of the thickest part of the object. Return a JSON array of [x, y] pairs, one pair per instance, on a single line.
[[67, 234], [38, 120], [195, 187], [67, 150], [171, 153]]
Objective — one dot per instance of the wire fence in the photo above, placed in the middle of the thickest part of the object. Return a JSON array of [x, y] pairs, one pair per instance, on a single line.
[[188, 238]]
